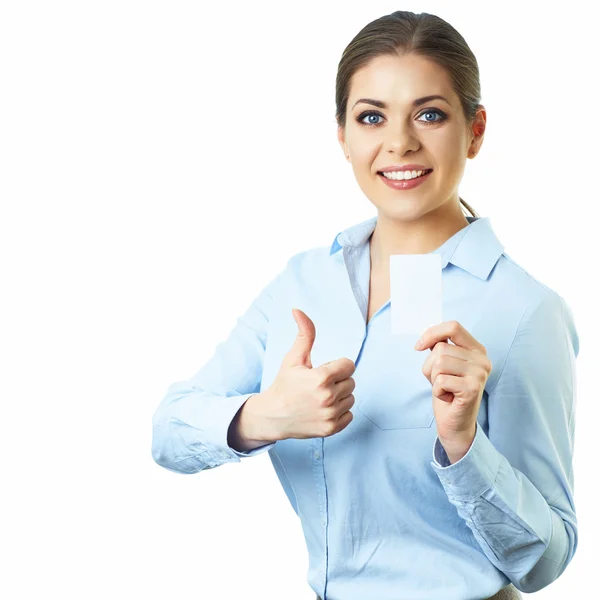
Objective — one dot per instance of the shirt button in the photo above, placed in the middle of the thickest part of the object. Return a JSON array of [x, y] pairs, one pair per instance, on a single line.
[[317, 454]]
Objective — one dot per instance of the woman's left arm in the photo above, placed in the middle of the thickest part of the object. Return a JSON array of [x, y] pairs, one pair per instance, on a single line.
[[514, 487]]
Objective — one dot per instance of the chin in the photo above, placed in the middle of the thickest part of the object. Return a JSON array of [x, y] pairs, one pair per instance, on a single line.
[[405, 212]]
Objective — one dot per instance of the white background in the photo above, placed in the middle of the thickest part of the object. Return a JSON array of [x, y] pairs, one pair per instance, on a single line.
[[160, 162]]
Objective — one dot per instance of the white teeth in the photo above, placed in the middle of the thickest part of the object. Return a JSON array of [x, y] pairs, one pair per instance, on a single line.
[[402, 175]]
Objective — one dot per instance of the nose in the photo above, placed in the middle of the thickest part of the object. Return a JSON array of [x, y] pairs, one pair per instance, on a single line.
[[400, 139]]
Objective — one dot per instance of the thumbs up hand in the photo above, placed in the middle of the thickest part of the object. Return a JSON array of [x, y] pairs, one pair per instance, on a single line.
[[305, 402]]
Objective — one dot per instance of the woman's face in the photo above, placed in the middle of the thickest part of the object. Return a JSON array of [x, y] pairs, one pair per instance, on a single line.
[[434, 134]]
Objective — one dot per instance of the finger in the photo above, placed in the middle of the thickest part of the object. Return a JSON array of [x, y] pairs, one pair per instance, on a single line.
[[345, 404], [448, 330], [450, 365], [476, 361], [445, 384], [342, 389], [338, 369], [444, 349]]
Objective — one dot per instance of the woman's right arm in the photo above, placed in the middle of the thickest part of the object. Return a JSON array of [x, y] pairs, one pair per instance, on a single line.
[[194, 424]]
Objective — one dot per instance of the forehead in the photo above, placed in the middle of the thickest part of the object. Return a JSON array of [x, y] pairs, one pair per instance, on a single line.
[[398, 80]]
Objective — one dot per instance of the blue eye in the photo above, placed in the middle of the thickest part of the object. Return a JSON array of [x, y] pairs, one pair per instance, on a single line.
[[369, 113], [374, 113], [433, 112]]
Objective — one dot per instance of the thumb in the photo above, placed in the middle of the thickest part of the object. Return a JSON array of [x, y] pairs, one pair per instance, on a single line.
[[300, 351]]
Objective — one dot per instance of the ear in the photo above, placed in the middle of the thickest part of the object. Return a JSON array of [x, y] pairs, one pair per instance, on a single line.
[[342, 141], [477, 131]]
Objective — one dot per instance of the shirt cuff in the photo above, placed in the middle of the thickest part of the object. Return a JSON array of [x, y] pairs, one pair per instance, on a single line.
[[473, 474]]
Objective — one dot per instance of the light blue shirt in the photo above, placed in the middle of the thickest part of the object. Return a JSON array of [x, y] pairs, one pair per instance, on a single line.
[[383, 512]]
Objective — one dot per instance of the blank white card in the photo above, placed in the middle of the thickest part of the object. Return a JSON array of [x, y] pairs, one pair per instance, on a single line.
[[415, 292]]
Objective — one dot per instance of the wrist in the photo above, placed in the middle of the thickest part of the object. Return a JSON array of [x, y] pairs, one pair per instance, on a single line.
[[457, 446], [455, 455], [254, 419]]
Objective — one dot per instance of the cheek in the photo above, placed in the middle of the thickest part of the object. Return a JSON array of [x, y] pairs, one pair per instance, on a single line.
[[364, 158], [444, 150], [450, 161], [449, 148]]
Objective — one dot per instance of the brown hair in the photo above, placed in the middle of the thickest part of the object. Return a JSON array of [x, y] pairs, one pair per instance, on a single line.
[[402, 32]]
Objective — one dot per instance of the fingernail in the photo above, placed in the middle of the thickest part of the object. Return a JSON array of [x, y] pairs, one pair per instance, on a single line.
[[419, 344]]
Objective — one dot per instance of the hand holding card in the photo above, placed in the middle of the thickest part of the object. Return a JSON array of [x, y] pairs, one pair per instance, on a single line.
[[458, 366]]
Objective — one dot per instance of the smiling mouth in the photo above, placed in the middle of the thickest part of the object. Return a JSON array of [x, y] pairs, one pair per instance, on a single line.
[[424, 172]]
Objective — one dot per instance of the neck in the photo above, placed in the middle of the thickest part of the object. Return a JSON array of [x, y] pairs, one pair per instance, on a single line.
[[421, 236]]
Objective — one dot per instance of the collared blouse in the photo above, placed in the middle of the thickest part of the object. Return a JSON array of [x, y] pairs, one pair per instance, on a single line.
[[384, 513]]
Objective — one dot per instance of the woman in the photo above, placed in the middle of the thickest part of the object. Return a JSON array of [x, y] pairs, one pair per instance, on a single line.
[[452, 477]]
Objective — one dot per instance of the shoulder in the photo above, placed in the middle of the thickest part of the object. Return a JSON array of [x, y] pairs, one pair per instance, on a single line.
[[517, 312], [522, 292], [310, 256], [309, 264]]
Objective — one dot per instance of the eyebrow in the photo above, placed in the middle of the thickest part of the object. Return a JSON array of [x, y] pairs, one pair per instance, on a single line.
[[415, 103]]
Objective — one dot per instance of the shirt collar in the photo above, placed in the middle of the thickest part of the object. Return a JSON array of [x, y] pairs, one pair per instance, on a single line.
[[475, 248]]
